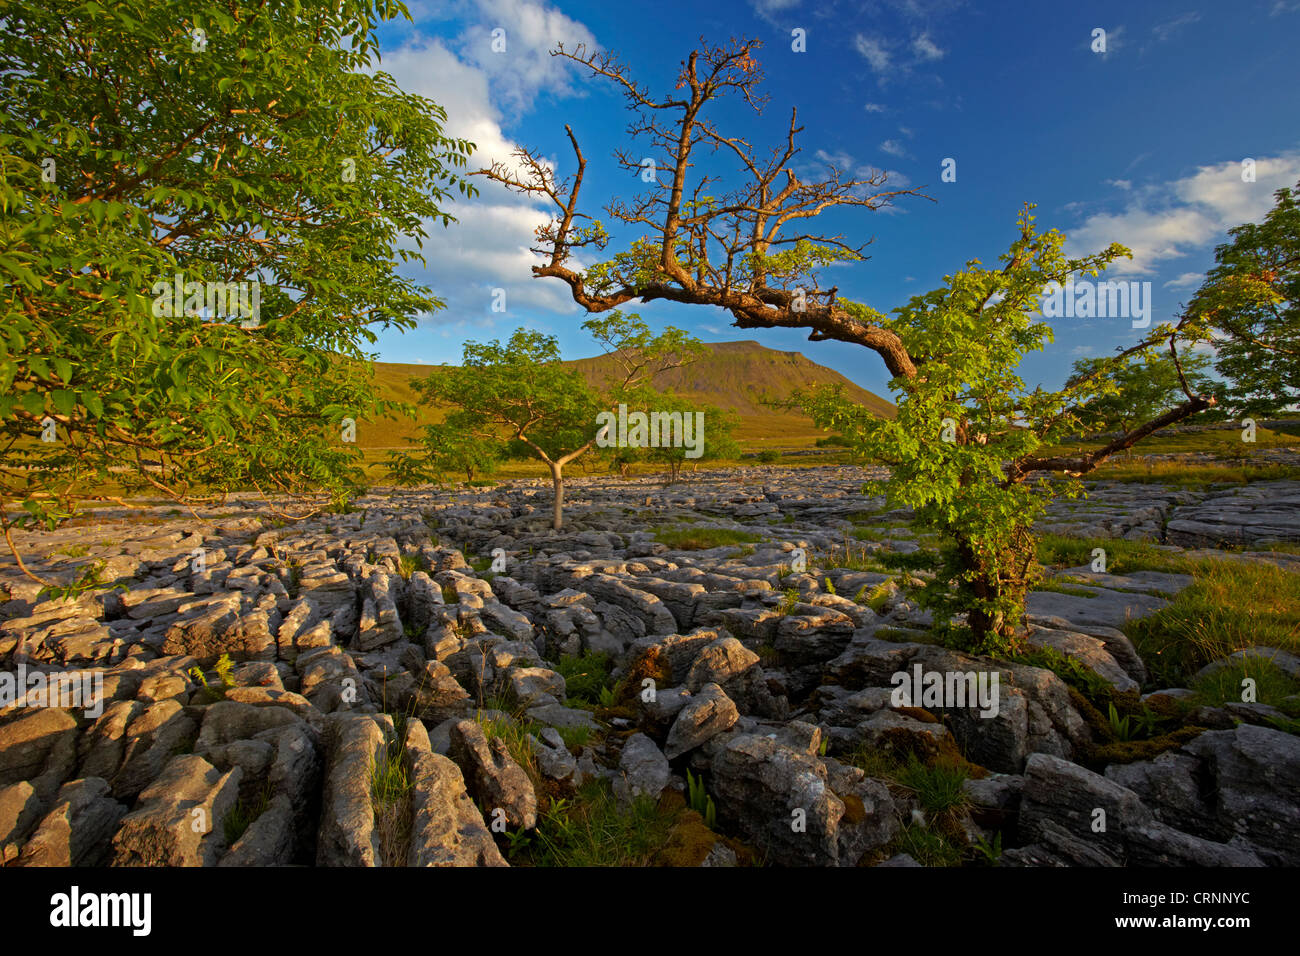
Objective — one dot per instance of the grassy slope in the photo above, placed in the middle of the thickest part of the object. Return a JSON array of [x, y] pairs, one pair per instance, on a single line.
[[738, 376]]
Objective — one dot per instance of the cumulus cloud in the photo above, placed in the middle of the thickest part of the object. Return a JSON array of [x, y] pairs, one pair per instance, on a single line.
[[519, 64], [488, 248], [893, 147], [1167, 221]]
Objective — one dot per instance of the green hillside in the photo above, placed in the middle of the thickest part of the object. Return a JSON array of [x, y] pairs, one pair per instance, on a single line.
[[738, 376]]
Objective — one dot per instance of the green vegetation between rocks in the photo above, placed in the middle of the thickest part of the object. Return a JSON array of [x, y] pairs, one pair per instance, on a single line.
[[391, 787], [1231, 605], [587, 679], [701, 539]]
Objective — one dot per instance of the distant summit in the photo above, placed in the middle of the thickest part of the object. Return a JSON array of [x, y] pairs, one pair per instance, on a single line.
[[738, 376]]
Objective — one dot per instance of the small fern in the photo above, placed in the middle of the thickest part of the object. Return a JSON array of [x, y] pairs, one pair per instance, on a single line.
[[224, 668], [1119, 726], [700, 801], [990, 852]]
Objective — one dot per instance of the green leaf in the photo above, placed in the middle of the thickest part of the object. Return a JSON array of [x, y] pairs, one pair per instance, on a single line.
[[33, 403], [64, 400]]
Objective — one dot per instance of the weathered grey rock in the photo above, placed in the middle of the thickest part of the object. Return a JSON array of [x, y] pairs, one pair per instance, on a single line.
[[557, 715], [347, 837], [219, 630], [656, 712], [1262, 511], [643, 769], [553, 758], [999, 791], [269, 839], [331, 681], [228, 722], [889, 731], [29, 737], [20, 809], [673, 652], [1104, 608], [447, 829], [380, 622], [1256, 777], [1034, 712], [438, 696], [705, 715], [79, 829], [534, 686], [1089, 651], [179, 819], [502, 619], [163, 730], [1064, 807], [781, 799], [493, 777], [1171, 786], [811, 635]]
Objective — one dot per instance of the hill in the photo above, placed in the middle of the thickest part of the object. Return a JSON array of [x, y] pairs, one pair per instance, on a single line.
[[739, 376]]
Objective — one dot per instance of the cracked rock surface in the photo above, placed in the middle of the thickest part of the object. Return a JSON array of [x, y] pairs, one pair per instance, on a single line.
[[358, 644]]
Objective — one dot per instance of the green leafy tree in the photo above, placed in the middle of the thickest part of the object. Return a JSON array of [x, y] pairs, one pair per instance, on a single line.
[[715, 441], [1249, 306], [754, 252], [448, 449], [719, 442], [155, 142], [522, 392], [1139, 388], [966, 451]]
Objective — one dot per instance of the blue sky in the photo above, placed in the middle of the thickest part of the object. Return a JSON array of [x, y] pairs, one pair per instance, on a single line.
[[1142, 144]]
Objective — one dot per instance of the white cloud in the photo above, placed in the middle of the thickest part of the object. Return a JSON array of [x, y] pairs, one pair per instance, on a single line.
[[873, 51], [1124, 184], [840, 159], [1184, 281], [525, 67], [1167, 221], [873, 107], [489, 245], [1164, 31], [430, 69], [488, 248], [893, 147], [925, 48], [767, 9]]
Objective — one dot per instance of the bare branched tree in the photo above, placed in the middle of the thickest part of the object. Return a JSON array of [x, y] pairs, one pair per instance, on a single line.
[[750, 250]]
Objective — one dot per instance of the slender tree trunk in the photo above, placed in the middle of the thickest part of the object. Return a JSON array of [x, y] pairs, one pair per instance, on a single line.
[[557, 479]]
